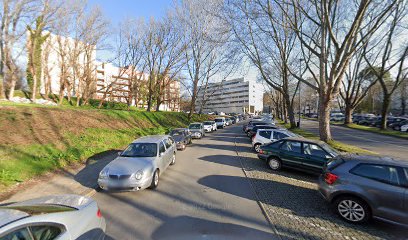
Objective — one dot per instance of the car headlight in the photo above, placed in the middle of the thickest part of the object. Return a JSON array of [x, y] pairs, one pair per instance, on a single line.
[[138, 175], [104, 173]]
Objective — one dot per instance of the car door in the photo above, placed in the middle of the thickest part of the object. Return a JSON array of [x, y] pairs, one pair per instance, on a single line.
[[385, 188], [169, 150], [162, 160], [291, 153], [315, 157]]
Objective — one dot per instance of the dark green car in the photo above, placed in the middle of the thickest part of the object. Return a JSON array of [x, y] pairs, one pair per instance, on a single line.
[[299, 153]]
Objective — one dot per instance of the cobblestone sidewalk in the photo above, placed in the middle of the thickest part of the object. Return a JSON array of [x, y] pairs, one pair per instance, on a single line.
[[295, 208]]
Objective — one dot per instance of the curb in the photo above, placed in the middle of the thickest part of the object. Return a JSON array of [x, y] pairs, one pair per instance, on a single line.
[[260, 204]]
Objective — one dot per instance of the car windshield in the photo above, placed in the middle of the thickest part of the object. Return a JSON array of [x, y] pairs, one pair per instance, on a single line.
[[140, 150], [207, 123], [218, 120], [176, 132], [330, 150], [195, 126]]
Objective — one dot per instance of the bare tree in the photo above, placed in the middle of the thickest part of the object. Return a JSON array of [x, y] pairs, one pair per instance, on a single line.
[[206, 39], [390, 55], [358, 81], [330, 31]]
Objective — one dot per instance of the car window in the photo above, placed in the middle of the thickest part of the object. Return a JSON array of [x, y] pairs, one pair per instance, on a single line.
[[380, 173], [291, 146], [195, 126], [140, 150], [45, 232], [20, 234], [265, 134], [162, 148], [279, 135], [168, 143], [314, 150]]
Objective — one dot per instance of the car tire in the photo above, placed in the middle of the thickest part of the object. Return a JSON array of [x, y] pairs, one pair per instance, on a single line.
[[274, 163], [352, 209], [155, 179], [257, 147], [173, 159]]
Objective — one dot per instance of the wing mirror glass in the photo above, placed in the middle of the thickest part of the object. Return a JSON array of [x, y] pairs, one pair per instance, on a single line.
[[119, 153]]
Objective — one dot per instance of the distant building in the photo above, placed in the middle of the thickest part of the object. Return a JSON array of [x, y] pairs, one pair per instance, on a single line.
[[231, 96], [58, 55], [114, 84]]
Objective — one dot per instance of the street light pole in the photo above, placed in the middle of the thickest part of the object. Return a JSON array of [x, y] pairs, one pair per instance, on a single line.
[[300, 70]]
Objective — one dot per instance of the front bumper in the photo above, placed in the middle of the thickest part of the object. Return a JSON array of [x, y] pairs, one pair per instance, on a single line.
[[129, 184], [207, 129], [180, 146], [263, 157]]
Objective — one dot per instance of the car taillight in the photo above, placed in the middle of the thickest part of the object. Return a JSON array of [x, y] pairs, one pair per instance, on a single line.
[[330, 178], [98, 213], [253, 137]]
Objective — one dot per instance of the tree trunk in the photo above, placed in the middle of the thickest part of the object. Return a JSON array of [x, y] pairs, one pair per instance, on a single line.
[[349, 111], [289, 109], [384, 110], [324, 119], [12, 87], [2, 95]]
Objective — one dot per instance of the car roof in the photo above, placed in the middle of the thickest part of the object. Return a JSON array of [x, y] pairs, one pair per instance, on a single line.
[[10, 215], [150, 139], [306, 140], [180, 129], [50, 204], [373, 159]]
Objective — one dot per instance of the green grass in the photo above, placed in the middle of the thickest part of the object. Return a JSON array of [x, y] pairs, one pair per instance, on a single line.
[[378, 131], [22, 162], [342, 147]]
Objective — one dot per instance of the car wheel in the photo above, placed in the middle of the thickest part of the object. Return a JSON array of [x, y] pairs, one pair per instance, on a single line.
[[173, 159], [257, 147], [274, 163], [352, 209], [155, 180]]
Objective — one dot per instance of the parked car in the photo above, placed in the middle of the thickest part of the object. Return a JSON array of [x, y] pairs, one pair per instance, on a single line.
[[397, 125], [208, 126], [228, 121], [53, 217], [264, 136], [362, 187], [393, 120], [140, 165], [404, 128], [197, 130], [252, 124], [220, 122], [366, 120], [182, 137], [253, 131], [299, 153], [337, 117]]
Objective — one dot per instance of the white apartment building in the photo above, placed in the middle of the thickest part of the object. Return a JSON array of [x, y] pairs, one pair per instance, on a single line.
[[57, 55], [231, 96]]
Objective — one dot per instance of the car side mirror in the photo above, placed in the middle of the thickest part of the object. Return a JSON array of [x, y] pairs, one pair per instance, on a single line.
[[119, 153], [161, 154]]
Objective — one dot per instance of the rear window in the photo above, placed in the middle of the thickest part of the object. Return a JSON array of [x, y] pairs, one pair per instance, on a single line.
[[381, 173], [218, 120], [334, 163]]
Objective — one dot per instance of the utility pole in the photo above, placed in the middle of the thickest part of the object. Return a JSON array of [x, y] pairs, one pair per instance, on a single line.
[[300, 69]]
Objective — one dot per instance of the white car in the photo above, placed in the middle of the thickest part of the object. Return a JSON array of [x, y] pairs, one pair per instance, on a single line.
[[208, 126], [404, 128], [264, 136], [220, 122], [337, 117], [62, 217]]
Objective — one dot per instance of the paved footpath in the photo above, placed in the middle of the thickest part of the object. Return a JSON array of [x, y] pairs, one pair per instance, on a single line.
[[382, 144]]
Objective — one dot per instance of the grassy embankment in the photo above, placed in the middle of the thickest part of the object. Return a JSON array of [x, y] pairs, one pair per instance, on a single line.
[[342, 147], [37, 139]]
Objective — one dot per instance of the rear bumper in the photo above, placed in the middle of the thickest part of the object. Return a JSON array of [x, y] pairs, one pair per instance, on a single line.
[[324, 189], [180, 146]]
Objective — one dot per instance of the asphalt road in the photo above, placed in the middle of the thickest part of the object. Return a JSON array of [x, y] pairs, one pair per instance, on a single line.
[[384, 145], [205, 195]]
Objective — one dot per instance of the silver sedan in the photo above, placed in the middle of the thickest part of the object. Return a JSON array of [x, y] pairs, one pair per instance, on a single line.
[[139, 165]]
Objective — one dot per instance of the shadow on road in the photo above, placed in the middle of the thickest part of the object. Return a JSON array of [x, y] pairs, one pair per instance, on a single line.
[[88, 176], [186, 227]]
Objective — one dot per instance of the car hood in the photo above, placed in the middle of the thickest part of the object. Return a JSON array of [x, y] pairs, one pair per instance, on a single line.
[[178, 138], [129, 165]]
